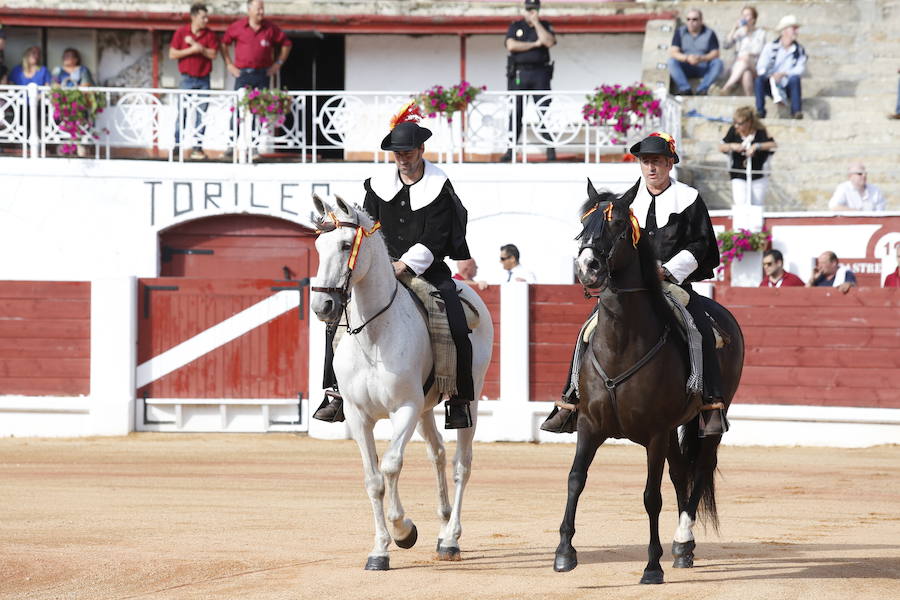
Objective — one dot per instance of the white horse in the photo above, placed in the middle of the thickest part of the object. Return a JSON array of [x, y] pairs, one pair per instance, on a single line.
[[381, 366]]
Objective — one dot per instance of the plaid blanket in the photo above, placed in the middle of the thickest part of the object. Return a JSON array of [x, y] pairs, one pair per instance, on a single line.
[[442, 346]]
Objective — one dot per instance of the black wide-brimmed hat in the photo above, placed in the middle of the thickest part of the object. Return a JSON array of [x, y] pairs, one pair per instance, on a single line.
[[657, 142], [405, 136], [536, 4]]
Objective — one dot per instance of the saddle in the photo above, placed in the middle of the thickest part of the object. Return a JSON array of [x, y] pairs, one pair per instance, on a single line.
[[431, 305]]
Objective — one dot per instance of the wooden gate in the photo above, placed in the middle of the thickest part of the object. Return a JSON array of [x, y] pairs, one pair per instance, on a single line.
[[223, 335]]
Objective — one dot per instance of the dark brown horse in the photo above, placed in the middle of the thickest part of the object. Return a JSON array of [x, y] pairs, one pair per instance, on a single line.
[[632, 382]]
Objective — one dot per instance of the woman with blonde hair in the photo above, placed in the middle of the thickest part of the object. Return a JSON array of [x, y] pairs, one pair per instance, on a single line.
[[747, 139], [748, 42], [31, 70]]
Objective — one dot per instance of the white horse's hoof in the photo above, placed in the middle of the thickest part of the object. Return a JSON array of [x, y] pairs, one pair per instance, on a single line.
[[448, 553], [378, 563], [410, 540]]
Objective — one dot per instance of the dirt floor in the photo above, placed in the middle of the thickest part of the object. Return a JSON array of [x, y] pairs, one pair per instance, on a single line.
[[282, 516]]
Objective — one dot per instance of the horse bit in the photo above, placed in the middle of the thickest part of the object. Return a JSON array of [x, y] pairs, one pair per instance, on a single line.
[[343, 291]]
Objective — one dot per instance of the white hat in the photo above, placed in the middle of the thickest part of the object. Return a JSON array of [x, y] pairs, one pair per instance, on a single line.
[[787, 21]]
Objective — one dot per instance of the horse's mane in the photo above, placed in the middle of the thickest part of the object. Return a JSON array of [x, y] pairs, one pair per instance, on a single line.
[[593, 226]]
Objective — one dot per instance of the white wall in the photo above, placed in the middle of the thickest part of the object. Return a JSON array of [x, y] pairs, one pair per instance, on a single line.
[[403, 62], [72, 219]]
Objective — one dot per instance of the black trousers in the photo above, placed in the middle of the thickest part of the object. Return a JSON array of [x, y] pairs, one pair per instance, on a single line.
[[712, 375], [527, 79], [459, 331]]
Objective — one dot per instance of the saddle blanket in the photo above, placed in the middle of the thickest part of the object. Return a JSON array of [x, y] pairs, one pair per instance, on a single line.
[[442, 346]]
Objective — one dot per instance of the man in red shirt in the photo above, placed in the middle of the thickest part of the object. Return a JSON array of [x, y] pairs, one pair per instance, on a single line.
[[254, 39], [776, 276], [194, 47], [893, 280]]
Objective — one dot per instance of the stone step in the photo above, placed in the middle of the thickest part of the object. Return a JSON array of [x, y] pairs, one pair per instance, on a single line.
[[877, 131], [848, 109]]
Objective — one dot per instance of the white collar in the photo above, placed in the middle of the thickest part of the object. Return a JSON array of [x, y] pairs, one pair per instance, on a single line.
[[422, 193], [675, 199]]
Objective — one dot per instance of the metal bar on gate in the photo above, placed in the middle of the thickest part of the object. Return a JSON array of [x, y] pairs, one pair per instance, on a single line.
[[32, 107]]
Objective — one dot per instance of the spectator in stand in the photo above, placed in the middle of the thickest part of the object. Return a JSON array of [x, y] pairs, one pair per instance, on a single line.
[[466, 270], [3, 70], [830, 273], [748, 41], [856, 193], [893, 279], [194, 46], [776, 276], [694, 52], [779, 69], [509, 259], [747, 138], [31, 70], [72, 73], [255, 39]]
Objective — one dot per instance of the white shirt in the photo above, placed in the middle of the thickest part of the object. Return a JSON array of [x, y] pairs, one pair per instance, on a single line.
[[519, 272], [846, 196]]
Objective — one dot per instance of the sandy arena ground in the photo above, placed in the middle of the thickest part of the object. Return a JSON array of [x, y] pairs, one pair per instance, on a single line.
[[282, 516]]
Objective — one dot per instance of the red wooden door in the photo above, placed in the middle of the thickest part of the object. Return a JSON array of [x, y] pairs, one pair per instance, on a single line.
[[223, 335]]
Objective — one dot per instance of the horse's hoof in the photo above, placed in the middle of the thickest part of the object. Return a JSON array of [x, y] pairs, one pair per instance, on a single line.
[[378, 563], [683, 552], [448, 553], [438, 547], [410, 540], [652, 577], [565, 562]]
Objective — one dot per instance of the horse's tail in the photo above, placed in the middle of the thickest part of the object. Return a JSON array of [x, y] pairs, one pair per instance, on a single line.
[[700, 459]]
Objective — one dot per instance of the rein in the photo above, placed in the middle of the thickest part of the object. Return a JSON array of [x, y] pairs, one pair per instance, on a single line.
[[343, 291]]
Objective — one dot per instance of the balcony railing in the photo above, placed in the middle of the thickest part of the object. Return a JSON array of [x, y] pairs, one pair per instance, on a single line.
[[321, 125]]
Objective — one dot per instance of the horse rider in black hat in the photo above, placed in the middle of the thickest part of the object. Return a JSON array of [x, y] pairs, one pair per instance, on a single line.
[[528, 65], [423, 222], [674, 217]]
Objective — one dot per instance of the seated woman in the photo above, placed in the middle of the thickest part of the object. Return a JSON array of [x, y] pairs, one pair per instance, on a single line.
[[748, 42], [747, 138], [72, 73], [31, 70]]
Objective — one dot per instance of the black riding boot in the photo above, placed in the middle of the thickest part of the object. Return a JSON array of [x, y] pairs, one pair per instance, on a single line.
[[332, 408], [712, 420], [457, 414]]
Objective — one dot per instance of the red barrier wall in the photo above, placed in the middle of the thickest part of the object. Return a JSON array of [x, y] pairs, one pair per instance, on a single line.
[[803, 346], [45, 330], [818, 346], [491, 297], [556, 315]]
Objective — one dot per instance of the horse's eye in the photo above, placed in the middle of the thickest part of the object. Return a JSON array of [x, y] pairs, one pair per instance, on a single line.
[[345, 247]]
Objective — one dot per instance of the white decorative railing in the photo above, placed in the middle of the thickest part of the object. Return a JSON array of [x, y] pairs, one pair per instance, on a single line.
[[166, 123]]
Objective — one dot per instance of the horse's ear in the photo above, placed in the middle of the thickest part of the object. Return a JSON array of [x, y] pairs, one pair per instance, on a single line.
[[344, 207], [593, 196], [628, 197], [321, 206]]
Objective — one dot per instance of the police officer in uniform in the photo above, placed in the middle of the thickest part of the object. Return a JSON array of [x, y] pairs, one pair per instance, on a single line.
[[674, 217], [423, 222], [528, 65]]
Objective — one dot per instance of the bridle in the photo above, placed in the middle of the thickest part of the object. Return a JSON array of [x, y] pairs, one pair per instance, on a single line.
[[590, 244], [330, 224], [612, 383]]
